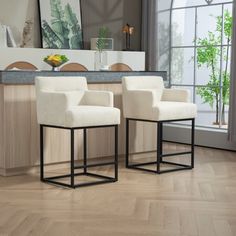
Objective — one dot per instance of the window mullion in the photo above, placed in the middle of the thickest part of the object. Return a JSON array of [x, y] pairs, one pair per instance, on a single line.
[[221, 67], [195, 55]]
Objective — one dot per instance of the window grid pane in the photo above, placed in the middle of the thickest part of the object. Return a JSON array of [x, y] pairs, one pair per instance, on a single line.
[[209, 87]]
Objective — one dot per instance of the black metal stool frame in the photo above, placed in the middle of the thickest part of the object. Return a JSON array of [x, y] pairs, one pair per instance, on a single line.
[[160, 156], [85, 166]]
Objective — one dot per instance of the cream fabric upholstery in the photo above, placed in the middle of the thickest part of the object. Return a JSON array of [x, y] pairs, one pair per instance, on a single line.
[[144, 97], [176, 95], [98, 98], [67, 102], [91, 116]]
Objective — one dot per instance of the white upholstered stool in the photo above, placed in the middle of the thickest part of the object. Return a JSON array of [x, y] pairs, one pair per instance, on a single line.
[[146, 99], [66, 103]]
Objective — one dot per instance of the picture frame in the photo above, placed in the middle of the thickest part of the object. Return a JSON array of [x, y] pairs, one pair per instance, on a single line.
[[61, 24]]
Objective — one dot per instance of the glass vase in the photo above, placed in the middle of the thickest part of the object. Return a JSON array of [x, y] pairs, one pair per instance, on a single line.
[[100, 60]]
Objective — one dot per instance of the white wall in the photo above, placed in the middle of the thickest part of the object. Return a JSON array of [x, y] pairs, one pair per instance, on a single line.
[[203, 137], [95, 13], [113, 14], [136, 60], [14, 13]]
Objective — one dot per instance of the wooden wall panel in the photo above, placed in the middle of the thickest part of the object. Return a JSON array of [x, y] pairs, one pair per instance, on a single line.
[[2, 149], [17, 126]]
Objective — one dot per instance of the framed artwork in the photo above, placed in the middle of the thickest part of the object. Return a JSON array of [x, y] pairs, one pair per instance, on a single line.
[[61, 24]]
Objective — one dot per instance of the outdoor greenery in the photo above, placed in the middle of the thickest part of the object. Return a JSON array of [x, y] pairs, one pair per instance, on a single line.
[[64, 30], [209, 55]]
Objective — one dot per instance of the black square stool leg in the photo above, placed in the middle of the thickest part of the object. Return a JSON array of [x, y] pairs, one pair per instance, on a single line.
[[85, 150], [101, 179], [159, 155], [72, 161], [127, 144], [41, 154], [192, 142]]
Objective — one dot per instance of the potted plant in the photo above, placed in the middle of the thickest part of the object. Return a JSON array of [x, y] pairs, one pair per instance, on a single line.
[[101, 55]]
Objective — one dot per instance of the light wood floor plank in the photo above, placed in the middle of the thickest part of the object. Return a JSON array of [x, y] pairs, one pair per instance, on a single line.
[[200, 202]]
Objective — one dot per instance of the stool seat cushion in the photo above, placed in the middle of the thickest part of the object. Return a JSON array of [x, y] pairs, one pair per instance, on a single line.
[[174, 111], [85, 116]]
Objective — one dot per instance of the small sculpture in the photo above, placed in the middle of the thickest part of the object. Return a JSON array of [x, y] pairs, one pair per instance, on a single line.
[[128, 31], [27, 35]]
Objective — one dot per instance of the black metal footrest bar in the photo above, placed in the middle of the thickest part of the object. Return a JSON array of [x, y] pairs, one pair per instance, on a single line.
[[62, 176], [174, 163], [143, 164], [155, 162], [99, 176], [56, 183], [94, 183], [140, 168], [160, 171], [80, 185], [105, 179], [175, 154], [172, 170], [94, 165]]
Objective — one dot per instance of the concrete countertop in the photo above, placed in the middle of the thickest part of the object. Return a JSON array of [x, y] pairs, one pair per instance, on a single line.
[[27, 77]]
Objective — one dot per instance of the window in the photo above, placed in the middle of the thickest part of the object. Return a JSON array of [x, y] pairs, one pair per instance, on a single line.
[[199, 55]]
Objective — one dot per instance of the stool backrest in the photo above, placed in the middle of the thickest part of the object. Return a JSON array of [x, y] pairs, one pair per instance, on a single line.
[[142, 82], [61, 83]]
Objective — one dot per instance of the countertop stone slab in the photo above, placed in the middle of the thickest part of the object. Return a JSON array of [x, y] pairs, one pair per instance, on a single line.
[[27, 77]]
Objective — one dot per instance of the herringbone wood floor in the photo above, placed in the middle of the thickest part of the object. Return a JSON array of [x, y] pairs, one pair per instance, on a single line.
[[198, 202]]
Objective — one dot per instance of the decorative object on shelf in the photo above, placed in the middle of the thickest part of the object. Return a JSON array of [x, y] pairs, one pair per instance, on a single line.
[[27, 37], [128, 31], [61, 25], [209, 1], [109, 44], [55, 61], [3, 35], [6, 37], [101, 54], [10, 38], [102, 35]]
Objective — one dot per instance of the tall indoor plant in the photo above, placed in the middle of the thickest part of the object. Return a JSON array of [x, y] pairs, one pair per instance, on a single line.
[[208, 55]]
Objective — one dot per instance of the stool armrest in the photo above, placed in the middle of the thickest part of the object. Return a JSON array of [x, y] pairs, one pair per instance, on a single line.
[[98, 98], [54, 104], [176, 95], [148, 97], [63, 99], [139, 103]]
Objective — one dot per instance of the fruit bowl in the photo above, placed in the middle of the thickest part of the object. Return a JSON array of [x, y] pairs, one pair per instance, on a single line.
[[55, 60]]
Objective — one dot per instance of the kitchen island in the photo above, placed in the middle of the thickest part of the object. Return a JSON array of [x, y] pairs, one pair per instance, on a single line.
[[19, 141]]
